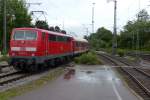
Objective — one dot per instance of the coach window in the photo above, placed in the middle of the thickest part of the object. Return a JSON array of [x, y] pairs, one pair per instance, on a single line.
[[77, 44], [52, 38], [65, 39], [60, 38], [43, 35], [68, 39]]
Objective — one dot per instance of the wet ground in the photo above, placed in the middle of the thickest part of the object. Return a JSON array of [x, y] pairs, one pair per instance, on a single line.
[[83, 83]]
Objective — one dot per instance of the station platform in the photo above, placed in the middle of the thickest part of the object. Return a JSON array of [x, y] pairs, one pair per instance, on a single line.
[[84, 83]]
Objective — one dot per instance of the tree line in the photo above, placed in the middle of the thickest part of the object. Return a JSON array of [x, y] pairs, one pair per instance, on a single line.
[[134, 35], [44, 25]]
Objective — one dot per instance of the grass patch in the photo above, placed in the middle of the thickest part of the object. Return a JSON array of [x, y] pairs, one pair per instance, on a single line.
[[4, 58], [121, 52], [89, 58], [32, 85], [130, 58]]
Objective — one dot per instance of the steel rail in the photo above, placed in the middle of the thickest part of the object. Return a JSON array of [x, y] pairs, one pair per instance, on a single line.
[[144, 88], [13, 78]]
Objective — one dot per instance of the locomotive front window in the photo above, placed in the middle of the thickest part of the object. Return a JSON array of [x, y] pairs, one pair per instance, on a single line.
[[19, 35], [30, 35], [25, 35]]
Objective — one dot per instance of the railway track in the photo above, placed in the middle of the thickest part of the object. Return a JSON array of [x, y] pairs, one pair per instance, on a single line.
[[3, 75], [139, 78], [11, 77], [144, 56], [4, 66]]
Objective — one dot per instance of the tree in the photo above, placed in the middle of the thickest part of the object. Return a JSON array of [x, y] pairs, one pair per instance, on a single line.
[[140, 27], [143, 15], [85, 37], [42, 24], [101, 39], [17, 16], [57, 29], [52, 28], [63, 31]]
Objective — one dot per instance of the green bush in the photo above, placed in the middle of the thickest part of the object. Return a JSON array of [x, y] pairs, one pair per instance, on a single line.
[[4, 52], [4, 58], [120, 53], [89, 58]]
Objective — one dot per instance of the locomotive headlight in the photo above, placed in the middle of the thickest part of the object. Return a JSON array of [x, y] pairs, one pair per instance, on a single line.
[[15, 48], [30, 49], [33, 54], [13, 54]]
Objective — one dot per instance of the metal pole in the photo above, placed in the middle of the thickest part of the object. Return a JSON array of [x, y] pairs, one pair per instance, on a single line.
[[133, 43], [137, 40], [137, 43], [87, 31], [93, 18], [63, 25], [114, 46], [4, 26]]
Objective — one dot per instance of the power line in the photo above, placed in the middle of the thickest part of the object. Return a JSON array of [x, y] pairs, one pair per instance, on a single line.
[[37, 3], [39, 12], [33, 12]]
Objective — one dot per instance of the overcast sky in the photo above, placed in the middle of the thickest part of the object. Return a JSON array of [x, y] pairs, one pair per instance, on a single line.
[[76, 14]]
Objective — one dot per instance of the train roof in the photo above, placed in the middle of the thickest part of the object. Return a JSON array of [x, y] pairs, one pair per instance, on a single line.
[[51, 32], [80, 39], [43, 30]]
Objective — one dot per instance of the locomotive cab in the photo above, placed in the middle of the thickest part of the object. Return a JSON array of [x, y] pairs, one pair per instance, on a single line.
[[23, 46]]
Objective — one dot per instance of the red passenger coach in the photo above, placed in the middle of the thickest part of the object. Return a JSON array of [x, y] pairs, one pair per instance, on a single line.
[[31, 47], [80, 46]]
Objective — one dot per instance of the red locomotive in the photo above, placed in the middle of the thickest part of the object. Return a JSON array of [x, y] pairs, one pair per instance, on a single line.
[[31, 47]]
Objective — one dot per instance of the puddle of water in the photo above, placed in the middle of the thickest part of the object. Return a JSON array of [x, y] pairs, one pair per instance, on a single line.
[[89, 72], [90, 75], [69, 74]]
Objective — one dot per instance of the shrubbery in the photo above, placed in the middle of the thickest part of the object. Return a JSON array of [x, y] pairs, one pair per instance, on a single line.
[[121, 53], [89, 58], [4, 58]]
